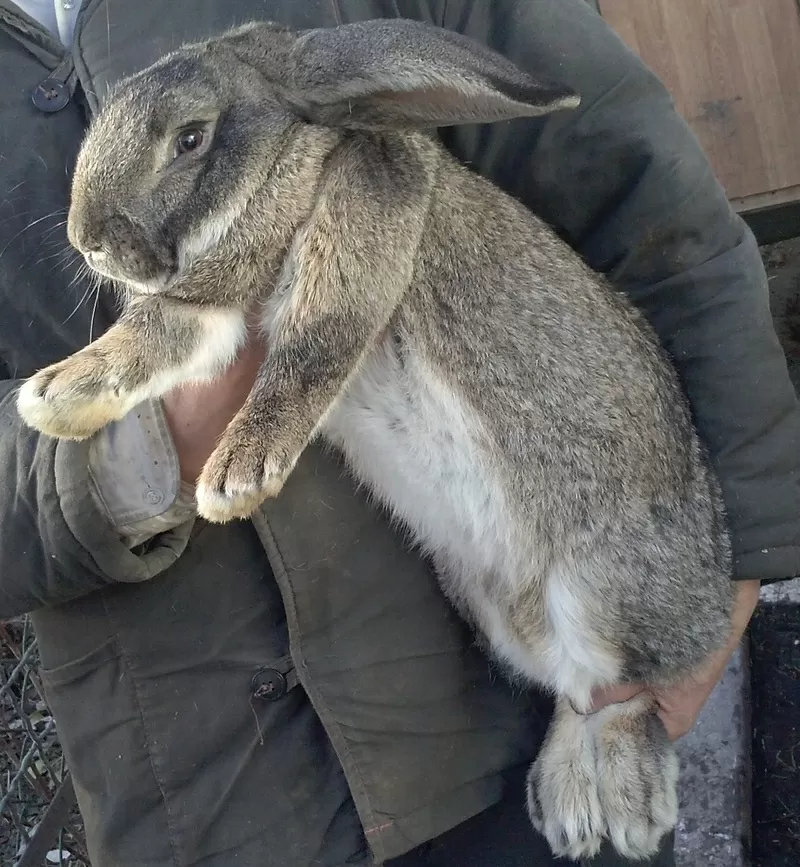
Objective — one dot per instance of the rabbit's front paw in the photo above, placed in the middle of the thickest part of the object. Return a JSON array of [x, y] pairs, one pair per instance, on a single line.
[[563, 801], [74, 398], [242, 472], [637, 772]]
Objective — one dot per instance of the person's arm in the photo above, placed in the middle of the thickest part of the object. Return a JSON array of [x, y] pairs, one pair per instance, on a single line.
[[76, 517], [680, 706], [135, 476], [57, 542], [626, 183]]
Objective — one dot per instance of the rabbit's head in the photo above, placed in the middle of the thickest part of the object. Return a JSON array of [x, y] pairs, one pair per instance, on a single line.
[[178, 149]]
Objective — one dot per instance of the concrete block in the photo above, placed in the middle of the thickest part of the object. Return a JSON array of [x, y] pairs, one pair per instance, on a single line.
[[781, 593], [714, 824], [714, 827]]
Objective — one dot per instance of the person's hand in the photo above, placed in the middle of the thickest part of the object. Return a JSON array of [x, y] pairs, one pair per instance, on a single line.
[[198, 413], [680, 705]]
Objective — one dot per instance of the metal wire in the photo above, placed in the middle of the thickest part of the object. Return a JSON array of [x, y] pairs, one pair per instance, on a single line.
[[37, 801]]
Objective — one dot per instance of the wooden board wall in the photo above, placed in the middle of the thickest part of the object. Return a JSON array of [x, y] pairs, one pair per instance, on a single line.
[[733, 69]]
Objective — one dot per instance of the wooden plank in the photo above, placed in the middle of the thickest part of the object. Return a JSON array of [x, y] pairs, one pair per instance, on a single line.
[[785, 39], [733, 69], [762, 89], [772, 199]]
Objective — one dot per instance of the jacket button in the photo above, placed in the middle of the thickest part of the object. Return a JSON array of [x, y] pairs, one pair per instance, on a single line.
[[51, 95], [268, 684]]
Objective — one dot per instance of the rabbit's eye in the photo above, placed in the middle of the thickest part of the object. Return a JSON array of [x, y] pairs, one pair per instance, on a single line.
[[187, 141]]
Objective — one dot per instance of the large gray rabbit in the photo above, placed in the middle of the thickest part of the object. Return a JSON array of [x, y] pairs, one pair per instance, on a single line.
[[511, 409]]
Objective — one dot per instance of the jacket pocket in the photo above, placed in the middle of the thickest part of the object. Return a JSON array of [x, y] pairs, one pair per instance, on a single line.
[[75, 670], [94, 702]]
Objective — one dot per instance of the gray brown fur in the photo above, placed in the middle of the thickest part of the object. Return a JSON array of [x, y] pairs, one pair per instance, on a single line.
[[514, 412]]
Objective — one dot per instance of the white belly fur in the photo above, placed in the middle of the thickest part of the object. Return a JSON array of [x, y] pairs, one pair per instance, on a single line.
[[414, 444]]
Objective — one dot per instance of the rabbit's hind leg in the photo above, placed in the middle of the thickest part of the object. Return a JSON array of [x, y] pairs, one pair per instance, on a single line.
[[637, 775], [563, 793], [571, 658], [612, 774]]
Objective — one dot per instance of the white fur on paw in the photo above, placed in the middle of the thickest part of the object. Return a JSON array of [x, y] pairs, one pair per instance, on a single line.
[[664, 804], [235, 482], [637, 782], [62, 404], [563, 801]]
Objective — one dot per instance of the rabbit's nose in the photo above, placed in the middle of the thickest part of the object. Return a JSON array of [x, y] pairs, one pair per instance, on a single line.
[[89, 246], [82, 238], [93, 231]]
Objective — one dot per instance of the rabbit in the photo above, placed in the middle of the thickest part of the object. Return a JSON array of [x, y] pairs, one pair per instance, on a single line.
[[510, 408]]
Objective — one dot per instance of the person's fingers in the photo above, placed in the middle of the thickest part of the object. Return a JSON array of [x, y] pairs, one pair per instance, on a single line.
[[614, 695], [677, 723]]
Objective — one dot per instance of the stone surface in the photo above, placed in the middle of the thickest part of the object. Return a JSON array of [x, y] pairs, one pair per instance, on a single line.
[[714, 828], [781, 593], [714, 825], [775, 699]]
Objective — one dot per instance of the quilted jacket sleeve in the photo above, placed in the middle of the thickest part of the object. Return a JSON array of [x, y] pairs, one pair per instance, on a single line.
[[55, 542]]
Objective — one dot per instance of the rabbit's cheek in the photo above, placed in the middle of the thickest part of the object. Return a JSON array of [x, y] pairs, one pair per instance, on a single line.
[[205, 237]]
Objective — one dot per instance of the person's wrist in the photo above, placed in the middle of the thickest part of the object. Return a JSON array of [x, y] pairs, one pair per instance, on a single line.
[[681, 705], [197, 413], [748, 593]]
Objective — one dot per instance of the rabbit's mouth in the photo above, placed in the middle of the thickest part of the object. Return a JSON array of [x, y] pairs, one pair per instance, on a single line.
[[104, 265], [121, 249]]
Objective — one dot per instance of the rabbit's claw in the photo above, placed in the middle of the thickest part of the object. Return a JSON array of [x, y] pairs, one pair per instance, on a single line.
[[242, 472], [613, 776], [74, 398]]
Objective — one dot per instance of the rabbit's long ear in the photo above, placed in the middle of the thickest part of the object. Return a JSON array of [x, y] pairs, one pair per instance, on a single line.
[[390, 72]]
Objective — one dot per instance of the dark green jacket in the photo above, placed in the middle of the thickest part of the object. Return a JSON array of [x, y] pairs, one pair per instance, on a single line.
[[397, 726]]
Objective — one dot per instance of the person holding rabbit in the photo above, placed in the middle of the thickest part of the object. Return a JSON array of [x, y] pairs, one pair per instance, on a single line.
[[296, 689]]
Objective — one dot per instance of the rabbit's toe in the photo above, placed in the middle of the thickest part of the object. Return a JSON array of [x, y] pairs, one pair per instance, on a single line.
[[637, 771], [240, 474], [563, 801], [74, 398]]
